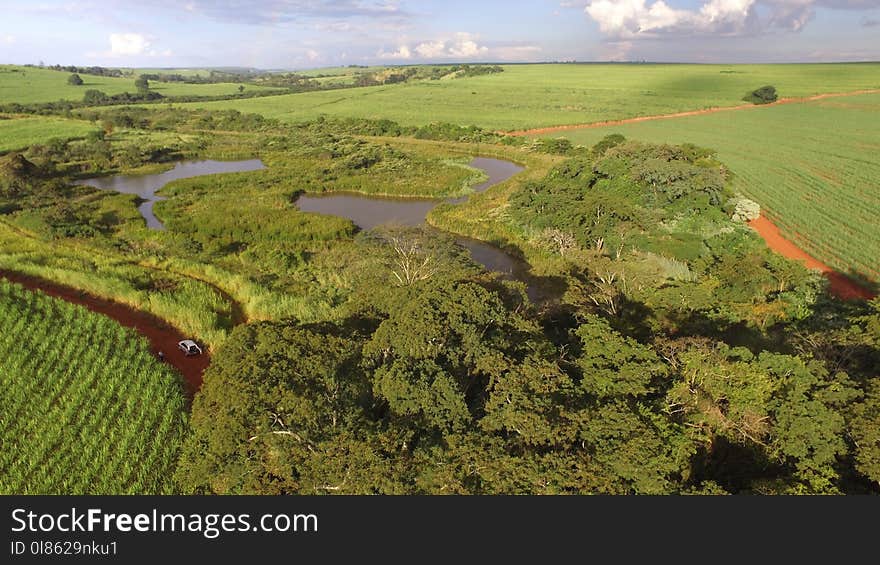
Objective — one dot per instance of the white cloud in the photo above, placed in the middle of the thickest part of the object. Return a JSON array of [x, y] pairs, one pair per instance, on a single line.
[[623, 19], [403, 52], [312, 55], [127, 44], [791, 14], [631, 18], [431, 49], [9, 39], [465, 46], [461, 46]]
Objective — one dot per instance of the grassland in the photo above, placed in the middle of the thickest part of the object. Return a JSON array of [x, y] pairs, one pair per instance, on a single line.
[[19, 133], [814, 167], [87, 409], [527, 96], [34, 85]]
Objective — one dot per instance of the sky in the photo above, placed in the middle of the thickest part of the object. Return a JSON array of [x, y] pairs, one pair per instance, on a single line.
[[301, 34]]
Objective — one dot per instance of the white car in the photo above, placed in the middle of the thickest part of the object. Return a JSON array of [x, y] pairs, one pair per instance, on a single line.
[[190, 348]]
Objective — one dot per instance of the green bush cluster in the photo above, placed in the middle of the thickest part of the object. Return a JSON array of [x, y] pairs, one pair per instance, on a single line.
[[763, 95]]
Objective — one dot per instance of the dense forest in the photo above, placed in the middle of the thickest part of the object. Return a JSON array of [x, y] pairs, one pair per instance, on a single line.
[[669, 350]]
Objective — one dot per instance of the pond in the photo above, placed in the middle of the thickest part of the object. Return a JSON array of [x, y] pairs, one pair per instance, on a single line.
[[367, 212], [146, 186]]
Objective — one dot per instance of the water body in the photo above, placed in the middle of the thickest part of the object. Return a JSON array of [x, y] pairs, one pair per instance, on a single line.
[[367, 212], [146, 186]]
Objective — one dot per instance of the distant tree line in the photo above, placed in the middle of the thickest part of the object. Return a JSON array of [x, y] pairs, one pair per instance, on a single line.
[[96, 71], [429, 72], [94, 97], [212, 77]]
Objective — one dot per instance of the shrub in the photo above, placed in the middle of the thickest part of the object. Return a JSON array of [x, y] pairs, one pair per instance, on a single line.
[[745, 210], [763, 95]]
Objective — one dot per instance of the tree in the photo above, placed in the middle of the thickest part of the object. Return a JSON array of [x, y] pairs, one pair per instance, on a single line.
[[636, 450], [763, 95], [559, 240], [536, 404], [94, 97], [413, 255], [75, 80], [606, 143], [16, 174], [780, 416], [614, 365], [142, 84], [274, 396], [866, 434], [240, 88], [433, 358]]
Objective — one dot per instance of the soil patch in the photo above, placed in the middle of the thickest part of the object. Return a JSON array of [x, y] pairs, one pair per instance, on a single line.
[[840, 285]]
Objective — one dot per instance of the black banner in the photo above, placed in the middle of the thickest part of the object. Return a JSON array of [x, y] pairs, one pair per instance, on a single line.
[[414, 529]]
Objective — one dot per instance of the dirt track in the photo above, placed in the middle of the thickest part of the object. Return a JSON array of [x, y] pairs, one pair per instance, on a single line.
[[839, 284], [162, 337], [554, 129]]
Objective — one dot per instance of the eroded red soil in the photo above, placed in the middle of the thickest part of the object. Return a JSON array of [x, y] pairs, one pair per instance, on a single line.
[[839, 284]]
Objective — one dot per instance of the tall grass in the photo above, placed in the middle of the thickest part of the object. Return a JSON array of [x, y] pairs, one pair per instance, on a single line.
[[194, 307]]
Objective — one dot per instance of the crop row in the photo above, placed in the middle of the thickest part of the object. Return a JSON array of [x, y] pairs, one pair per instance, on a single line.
[[87, 408]]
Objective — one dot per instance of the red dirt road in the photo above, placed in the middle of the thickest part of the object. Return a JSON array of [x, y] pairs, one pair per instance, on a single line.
[[160, 334], [554, 129], [840, 285]]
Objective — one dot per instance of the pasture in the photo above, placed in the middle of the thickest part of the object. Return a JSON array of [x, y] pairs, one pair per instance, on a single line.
[[27, 85], [812, 166], [87, 408], [19, 133], [528, 96]]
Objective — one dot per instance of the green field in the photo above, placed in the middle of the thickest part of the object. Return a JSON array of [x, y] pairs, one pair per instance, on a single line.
[[19, 133], [814, 167], [27, 85], [87, 409], [526, 96]]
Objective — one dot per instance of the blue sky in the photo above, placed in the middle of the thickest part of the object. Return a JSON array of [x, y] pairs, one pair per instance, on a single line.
[[296, 34]]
